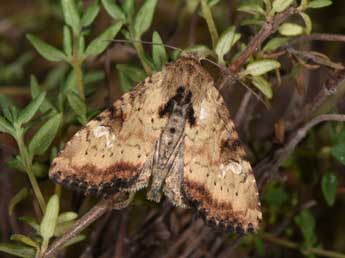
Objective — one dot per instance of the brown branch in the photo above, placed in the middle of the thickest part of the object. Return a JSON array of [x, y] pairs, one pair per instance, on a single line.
[[266, 30], [272, 163], [92, 215], [318, 37]]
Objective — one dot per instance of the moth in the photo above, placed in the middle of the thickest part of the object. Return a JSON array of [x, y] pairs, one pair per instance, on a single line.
[[173, 135]]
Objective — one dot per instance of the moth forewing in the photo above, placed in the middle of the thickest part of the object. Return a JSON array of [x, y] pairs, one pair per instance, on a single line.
[[173, 134]]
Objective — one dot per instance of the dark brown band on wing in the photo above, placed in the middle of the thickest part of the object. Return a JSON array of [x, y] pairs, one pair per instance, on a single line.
[[91, 180], [215, 213]]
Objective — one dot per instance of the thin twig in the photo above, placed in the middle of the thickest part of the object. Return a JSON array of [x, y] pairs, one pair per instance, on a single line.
[[272, 163], [318, 37], [97, 211], [292, 245], [266, 30]]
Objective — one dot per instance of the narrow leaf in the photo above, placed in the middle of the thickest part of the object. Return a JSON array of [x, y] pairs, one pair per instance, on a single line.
[[75, 240], [114, 10], [5, 103], [30, 110], [47, 51], [21, 195], [31, 222], [36, 91], [225, 43], [25, 240], [290, 29], [319, 3], [280, 5], [67, 41], [71, 15], [77, 104], [263, 85], [17, 250], [329, 184], [99, 44], [128, 75], [49, 219], [306, 223], [159, 54], [144, 17], [45, 135], [338, 152], [5, 126], [251, 8], [90, 14], [200, 50], [66, 217], [275, 43], [307, 21], [261, 67]]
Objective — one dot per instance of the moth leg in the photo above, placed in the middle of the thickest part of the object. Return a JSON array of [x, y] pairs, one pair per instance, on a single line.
[[123, 204], [173, 181]]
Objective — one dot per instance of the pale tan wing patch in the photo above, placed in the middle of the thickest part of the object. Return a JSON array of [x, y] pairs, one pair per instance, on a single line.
[[113, 152], [218, 181]]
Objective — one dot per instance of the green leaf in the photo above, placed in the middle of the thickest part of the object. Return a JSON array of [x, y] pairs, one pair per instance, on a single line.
[[329, 184], [114, 10], [78, 105], [21, 195], [200, 50], [281, 5], [338, 152], [90, 14], [40, 170], [49, 220], [25, 240], [16, 163], [99, 44], [319, 3], [261, 67], [75, 240], [228, 38], [5, 126], [36, 91], [275, 43], [17, 250], [290, 29], [263, 85], [31, 222], [47, 51], [45, 135], [144, 17], [129, 74], [306, 223], [159, 54], [307, 21], [128, 8], [31, 109], [251, 8], [66, 217], [71, 15], [211, 3], [67, 41], [5, 103]]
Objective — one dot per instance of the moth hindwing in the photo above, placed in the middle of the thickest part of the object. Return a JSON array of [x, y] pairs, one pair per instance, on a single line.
[[173, 134]]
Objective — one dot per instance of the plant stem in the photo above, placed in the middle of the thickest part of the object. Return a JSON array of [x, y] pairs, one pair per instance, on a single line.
[[292, 245], [206, 11], [27, 160], [79, 77]]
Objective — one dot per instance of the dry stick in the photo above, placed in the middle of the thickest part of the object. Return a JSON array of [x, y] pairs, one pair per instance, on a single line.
[[319, 37], [272, 163], [97, 211], [266, 30]]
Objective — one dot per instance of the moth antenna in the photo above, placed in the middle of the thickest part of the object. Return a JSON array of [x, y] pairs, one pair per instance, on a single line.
[[221, 67]]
